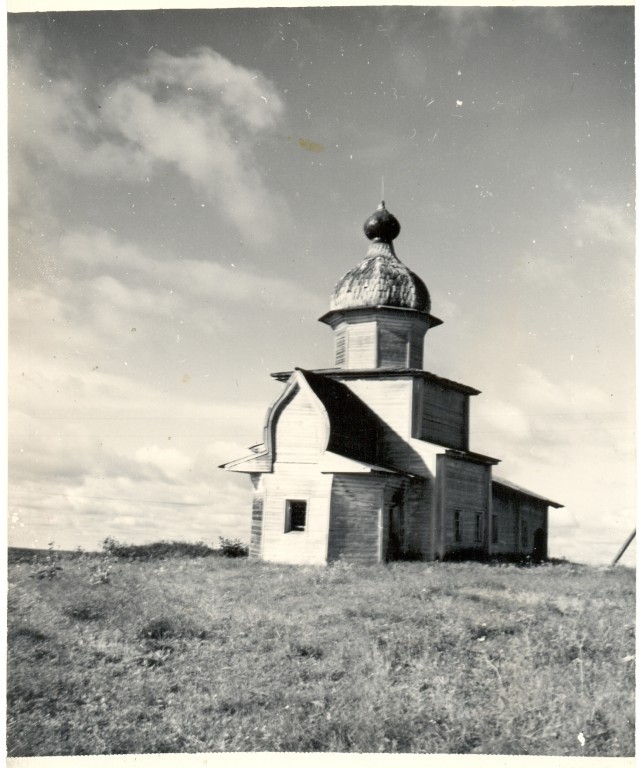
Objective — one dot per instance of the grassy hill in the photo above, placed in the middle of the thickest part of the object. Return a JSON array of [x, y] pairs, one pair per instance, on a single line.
[[115, 655]]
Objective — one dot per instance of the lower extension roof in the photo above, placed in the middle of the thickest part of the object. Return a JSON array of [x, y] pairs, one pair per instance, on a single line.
[[524, 492]]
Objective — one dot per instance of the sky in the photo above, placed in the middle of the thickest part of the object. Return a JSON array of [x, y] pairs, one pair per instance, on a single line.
[[186, 188]]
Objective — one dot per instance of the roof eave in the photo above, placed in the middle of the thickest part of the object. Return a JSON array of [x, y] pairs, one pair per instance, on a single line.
[[335, 314], [513, 488], [359, 373]]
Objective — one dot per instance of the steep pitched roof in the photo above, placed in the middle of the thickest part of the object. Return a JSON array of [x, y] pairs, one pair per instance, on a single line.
[[522, 491], [354, 430]]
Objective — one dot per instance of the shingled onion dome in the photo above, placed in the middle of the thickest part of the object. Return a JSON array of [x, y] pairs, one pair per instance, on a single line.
[[381, 280]]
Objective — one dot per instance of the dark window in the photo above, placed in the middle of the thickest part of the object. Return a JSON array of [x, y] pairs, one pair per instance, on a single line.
[[495, 538], [458, 525], [478, 536], [295, 515], [524, 533]]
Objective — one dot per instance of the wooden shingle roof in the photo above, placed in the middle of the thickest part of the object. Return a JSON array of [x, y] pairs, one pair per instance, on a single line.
[[381, 280]]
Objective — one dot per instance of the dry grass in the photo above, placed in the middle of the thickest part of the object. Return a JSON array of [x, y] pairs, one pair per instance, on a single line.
[[200, 655]]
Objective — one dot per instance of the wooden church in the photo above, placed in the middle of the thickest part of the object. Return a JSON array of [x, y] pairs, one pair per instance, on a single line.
[[369, 460]]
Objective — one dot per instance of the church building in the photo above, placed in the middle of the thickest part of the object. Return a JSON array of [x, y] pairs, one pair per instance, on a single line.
[[369, 460]]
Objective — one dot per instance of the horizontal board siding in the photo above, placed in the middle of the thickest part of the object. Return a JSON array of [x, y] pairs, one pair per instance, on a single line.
[[420, 507], [416, 350], [394, 500], [534, 512], [255, 549], [298, 431], [390, 399], [340, 348], [355, 515], [466, 489], [393, 347], [505, 509], [515, 512], [409, 502], [361, 345], [298, 482], [444, 416]]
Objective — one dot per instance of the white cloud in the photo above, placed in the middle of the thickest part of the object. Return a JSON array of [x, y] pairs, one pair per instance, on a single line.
[[571, 443], [175, 276], [199, 114], [605, 223], [464, 24]]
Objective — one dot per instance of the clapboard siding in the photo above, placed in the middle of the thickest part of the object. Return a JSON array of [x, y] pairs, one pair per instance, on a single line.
[[533, 512], [356, 504], [299, 482], [400, 341], [416, 350], [517, 513], [466, 489], [361, 342], [340, 348], [255, 549], [505, 509], [441, 416], [390, 399], [419, 508], [298, 430], [392, 347], [394, 505]]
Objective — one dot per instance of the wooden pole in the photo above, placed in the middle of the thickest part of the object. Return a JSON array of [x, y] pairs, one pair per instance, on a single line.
[[625, 547]]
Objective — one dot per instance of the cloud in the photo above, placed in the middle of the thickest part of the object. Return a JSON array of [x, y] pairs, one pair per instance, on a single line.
[[464, 24], [605, 223], [189, 278], [101, 472], [571, 443], [198, 114]]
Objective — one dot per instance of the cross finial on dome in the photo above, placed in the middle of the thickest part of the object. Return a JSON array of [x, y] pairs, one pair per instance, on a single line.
[[382, 226]]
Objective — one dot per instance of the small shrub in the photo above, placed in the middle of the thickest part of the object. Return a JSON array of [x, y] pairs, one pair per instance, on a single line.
[[48, 565], [83, 612], [101, 572], [159, 629], [159, 550], [233, 548], [168, 628]]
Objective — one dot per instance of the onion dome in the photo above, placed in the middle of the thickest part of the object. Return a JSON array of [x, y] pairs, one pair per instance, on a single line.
[[381, 280]]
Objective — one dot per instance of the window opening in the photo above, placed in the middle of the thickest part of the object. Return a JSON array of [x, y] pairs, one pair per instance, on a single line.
[[295, 515], [495, 536], [478, 536], [458, 525]]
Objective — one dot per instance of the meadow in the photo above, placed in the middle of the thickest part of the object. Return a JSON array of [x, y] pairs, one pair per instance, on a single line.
[[195, 652]]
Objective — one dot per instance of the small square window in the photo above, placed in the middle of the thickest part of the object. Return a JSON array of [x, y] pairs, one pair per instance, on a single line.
[[295, 515]]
